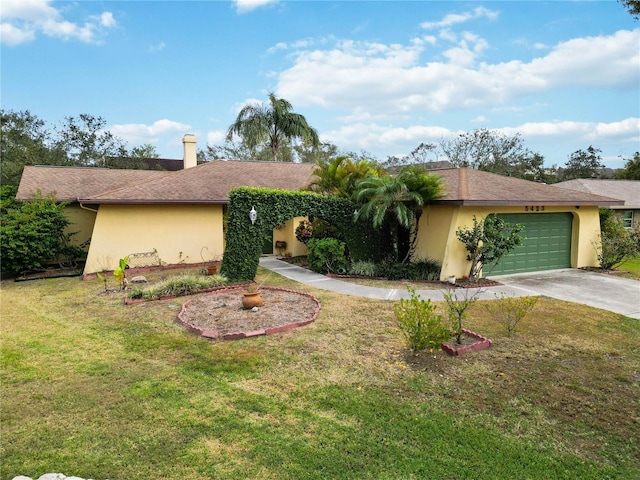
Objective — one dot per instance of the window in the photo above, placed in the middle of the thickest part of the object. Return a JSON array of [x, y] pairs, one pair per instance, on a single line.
[[627, 218]]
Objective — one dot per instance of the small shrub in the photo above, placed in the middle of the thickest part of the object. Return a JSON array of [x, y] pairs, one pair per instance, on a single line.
[[419, 323], [364, 268], [510, 310], [327, 255], [179, 285], [424, 269]]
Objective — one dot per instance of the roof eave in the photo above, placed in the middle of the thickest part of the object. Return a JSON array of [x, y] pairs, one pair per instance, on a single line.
[[95, 201], [523, 203]]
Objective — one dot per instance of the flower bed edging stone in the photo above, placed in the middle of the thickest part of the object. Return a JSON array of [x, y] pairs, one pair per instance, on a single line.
[[481, 344], [255, 333]]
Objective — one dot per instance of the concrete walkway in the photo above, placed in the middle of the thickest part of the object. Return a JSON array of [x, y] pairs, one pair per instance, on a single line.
[[619, 295]]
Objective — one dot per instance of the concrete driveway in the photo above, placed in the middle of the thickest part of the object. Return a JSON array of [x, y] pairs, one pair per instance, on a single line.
[[609, 292], [619, 295]]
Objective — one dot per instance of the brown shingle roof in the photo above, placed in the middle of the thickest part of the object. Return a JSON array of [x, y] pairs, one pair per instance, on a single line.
[[465, 186], [70, 183], [210, 182], [626, 190]]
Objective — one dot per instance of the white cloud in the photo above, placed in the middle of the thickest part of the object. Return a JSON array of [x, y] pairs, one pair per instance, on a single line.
[[21, 20], [139, 133], [561, 136], [216, 137], [390, 79], [457, 18], [157, 47], [107, 20], [12, 35], [244, 6]]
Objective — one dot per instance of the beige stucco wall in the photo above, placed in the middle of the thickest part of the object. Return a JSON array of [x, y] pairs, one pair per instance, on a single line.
[[287, 233], [438, 225], [82, 222], [178, 233]]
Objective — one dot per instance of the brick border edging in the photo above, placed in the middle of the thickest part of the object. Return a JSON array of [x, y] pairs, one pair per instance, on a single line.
[[255, 333], [153, 268], [474, 347]]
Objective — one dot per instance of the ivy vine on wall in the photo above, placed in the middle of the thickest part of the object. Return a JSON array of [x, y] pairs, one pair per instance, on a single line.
[[274, 207]]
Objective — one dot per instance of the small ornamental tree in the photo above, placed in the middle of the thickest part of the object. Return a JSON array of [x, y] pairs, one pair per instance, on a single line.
[[487, 242]]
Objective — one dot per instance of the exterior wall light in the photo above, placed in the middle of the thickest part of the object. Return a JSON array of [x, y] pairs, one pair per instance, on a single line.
[[253, 215]]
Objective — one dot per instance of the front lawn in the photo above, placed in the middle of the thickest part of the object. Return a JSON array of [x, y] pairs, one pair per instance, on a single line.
[[93, 388], [631, 268]]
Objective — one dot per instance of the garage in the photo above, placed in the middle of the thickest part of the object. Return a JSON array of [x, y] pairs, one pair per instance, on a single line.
[[547, 243]]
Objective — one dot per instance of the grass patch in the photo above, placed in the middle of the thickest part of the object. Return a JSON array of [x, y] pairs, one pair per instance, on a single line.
[[92, 388], [631, 268]]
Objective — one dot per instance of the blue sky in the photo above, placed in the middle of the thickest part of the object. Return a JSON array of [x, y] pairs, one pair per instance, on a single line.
[[380, 77]]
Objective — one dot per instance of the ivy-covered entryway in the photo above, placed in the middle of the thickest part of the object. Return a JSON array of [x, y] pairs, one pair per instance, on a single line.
[[274, 207]]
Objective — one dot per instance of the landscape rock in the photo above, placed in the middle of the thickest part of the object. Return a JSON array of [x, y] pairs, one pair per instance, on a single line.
[[139, 279]]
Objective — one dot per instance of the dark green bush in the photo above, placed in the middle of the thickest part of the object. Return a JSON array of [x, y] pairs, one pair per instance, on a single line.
[[423, 269], [33, 235], [327, 255]]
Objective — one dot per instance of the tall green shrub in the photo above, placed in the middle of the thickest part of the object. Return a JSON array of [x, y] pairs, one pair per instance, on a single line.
[[327, 255], [616, 243], [33, 235]]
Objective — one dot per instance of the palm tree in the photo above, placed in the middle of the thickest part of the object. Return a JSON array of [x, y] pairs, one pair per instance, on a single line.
[[272, 124], [399, 201], [340, 175]]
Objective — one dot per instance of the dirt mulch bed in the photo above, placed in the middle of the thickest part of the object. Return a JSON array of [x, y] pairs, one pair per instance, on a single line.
[[220, 314]]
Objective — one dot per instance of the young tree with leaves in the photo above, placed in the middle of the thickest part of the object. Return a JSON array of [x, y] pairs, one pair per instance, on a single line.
[[487, 242], [274, 125]]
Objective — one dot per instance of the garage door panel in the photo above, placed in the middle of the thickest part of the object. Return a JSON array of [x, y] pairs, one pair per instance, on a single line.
[[547, 243]]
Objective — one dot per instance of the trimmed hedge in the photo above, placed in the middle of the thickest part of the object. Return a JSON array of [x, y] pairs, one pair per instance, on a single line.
[[275, 207]]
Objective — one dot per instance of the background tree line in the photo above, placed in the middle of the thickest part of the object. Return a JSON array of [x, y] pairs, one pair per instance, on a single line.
[[276, 132], [81, 141]]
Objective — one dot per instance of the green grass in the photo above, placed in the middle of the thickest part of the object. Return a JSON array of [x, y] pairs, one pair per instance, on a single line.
[[93, 388], [631, 267]]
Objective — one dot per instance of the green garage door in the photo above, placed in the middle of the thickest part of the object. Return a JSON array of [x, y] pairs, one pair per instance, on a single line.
[[547, 245]]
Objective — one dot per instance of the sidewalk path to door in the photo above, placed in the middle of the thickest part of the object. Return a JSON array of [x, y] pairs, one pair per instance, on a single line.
[[619, 295]]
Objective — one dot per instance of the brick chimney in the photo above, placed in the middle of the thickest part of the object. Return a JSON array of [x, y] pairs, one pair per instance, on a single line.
[[190, 157]]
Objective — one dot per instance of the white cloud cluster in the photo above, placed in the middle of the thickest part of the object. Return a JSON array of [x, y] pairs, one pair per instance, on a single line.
[[21, 21], [244, 6], [384, 90], [378, 137], [376, 78], [139, 133]]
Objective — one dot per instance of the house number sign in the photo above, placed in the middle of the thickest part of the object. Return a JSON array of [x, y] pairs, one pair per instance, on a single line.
[[534, 208]]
